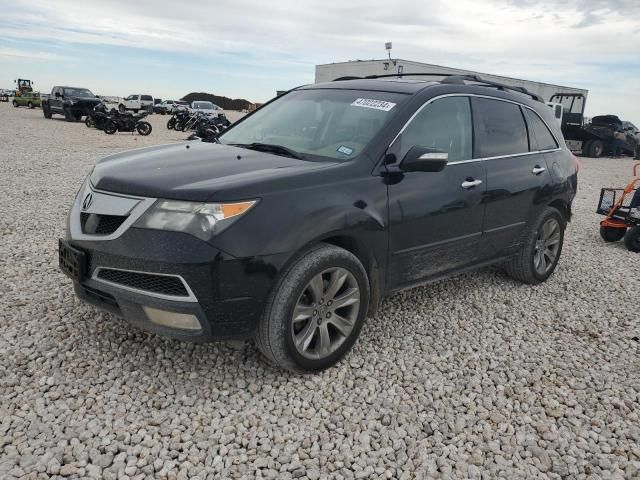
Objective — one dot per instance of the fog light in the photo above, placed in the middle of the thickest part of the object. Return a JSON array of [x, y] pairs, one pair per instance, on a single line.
[[183, 321]]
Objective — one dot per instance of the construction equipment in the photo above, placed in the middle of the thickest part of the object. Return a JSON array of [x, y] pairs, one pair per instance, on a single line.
[[24, 86]]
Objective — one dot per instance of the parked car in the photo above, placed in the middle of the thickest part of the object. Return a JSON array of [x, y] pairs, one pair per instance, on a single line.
[[207, 108], [136, 103], [307, 212], [72, 102], [28, 99], [167, 106]]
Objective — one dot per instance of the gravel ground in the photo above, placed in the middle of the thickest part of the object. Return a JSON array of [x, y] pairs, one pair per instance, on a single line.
[[473, 377]]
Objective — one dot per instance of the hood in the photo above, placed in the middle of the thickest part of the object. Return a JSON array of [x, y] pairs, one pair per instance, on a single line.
[[194, 171]]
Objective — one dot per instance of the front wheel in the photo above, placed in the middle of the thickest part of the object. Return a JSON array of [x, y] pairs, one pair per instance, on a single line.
[[539, 256], [68, 116], [110, 127], [30, 105], [15, 104], [632, 239], [143, 128], [89, 121], [45, 111], [316, 311], [612, 234], [171, 123]]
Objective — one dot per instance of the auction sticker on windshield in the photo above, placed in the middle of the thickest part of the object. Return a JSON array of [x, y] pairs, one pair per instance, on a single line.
[[372, 103]]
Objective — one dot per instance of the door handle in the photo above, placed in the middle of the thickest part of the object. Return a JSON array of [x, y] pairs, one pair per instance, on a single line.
[[470, 183], [537, 170]]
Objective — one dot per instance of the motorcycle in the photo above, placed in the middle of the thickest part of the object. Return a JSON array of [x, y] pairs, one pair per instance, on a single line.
[[127, 122], [178, 118], [98, 117]]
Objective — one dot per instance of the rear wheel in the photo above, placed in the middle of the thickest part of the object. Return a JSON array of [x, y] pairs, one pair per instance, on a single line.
[[143, 128], [15, 104], [316, 311], [540, 254], [110, 127], [585, 148], [122, 108], [632, 239], [30, 105], [89, 121], [171, 123], [612, 234], [596, 148]]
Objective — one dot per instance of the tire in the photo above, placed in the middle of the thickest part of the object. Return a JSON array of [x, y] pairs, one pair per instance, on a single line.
[[89, 121], [122, 108], [45, 111], [596, 148], [110, 127], [30, 105], [68, 116], [144, 128], [522, 266], [77, 116], [277, 329], [15, 104], [171, 123], [612, 234], [632, 239]]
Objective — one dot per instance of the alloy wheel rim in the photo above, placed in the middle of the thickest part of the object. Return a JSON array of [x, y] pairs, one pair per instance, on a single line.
[[326, 313], [547, 246]]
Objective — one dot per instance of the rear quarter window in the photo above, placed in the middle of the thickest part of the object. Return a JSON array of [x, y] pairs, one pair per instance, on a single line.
[[147, 97], [539, 135], [499, 128]]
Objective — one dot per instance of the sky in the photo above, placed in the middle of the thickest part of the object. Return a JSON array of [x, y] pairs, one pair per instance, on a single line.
[[249, 49]]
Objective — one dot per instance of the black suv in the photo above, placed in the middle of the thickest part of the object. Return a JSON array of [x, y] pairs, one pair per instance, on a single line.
[[301, 217], [72, 102]]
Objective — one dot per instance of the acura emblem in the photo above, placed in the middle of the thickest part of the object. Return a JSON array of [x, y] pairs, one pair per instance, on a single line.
[[88, 200]]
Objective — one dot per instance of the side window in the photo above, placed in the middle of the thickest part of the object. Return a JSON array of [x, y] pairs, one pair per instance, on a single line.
[[499, 128], [444, 124], [539, 135]]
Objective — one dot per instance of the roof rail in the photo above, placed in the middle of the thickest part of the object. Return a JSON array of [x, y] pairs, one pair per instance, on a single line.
[[451, 78]]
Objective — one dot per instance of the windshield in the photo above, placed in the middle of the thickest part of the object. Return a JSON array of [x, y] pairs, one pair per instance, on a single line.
[[78, 92], [203, 105], [326, 123]]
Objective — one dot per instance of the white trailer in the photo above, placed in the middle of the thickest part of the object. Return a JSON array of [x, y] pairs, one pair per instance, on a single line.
[[363, 68]]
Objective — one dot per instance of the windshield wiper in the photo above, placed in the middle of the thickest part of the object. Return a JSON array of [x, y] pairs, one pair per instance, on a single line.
[[268, 147]]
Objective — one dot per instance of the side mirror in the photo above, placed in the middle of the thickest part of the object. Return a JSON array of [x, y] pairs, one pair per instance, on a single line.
[[57, 94], [423, 159]]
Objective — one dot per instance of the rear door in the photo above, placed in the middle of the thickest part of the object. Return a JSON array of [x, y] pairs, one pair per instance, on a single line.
[[435, 219], [518, 181]]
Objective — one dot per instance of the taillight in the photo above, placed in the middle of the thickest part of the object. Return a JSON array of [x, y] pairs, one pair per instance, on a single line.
[[576, 163]]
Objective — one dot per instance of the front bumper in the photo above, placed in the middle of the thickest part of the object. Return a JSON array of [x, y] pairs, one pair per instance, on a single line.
[[225, 294]]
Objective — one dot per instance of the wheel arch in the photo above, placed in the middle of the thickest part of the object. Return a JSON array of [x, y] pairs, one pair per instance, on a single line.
[[563, 207]]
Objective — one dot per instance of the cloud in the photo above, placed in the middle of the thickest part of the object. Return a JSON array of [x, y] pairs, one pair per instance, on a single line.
[[277, 44]]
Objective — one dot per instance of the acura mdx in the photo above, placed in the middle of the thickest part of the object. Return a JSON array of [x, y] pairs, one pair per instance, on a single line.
[[291, 226]]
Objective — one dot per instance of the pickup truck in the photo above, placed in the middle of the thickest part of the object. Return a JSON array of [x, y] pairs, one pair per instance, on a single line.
[[136, 102], [72, 102]]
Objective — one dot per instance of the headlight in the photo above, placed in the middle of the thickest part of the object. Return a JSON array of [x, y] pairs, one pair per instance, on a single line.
[[200, 219]]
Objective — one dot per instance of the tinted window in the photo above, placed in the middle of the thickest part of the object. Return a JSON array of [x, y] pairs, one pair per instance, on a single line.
[[147, 97], [539, 135], [499, 128], [444, 124]]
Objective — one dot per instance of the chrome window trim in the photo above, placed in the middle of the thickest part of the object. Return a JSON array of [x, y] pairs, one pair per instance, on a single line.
[[75, 228], [482, 159], [189, 298]]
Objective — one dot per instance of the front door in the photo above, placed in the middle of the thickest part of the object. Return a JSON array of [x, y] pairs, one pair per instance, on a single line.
[[435, 219]]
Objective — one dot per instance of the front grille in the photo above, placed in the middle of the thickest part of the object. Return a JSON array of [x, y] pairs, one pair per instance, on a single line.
[[96, 224], [165, 285]]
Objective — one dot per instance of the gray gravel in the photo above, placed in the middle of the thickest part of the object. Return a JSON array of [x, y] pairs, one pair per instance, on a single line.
[[473, 377]]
